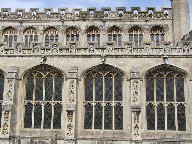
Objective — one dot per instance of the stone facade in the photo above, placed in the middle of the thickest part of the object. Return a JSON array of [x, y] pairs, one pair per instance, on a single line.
[[72, 43]]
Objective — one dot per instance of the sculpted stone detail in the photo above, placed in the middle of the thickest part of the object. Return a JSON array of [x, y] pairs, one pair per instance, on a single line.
[[71, 91], [135, 72], [70, 127], [136, 126], [135, 90]]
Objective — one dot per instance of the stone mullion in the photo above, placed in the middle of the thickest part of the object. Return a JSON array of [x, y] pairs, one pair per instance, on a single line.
[[9, 98], [93, 121], [135, 104], [71, 104]]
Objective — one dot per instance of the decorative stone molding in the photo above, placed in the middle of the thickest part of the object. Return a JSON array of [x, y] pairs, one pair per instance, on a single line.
[[9, 94]]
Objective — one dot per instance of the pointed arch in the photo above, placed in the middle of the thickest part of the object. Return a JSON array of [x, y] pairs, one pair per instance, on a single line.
[[30, 35], [157, 34], [51, 34], [93, 35], [136, 35], [43, 86], [165, 86], [103, 86]]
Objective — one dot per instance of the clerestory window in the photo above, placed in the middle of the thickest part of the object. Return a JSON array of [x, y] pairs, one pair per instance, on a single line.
[[43, 98], [103, 103], [93, 35], [30, 36], [115, 35], [51, 35], [72, 35], [10, 37], [157, 35], [165, 98], [136, 36]]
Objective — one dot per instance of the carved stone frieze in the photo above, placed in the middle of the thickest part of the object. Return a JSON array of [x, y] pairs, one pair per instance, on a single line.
[[136, 134]]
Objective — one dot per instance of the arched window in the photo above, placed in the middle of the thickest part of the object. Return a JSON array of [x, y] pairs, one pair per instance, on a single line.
[[136, 36], [10, 36], [114, 34], [72, 35], [93, 35], [103, 98], [51, 35], [30, 35], [157, 35], [165, 98], [43, 98], [1, 93]]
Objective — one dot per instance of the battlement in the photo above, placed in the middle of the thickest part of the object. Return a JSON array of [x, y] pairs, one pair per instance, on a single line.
[[91, 13]]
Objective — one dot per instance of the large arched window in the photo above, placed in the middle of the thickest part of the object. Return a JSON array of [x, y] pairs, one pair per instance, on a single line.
[[103, 98], [43, 97], [136, 36], [157, 35], [1, 93], [165, 98], [93, 35], [10, 36], [72, 34], [114, 34], [30, 35], [51, 35]]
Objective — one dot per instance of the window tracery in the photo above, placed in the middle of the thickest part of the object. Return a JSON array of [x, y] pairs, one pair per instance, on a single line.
[[103, 98], [30, 35], [51, 35], [43, 98], [165, 99], [72, 36], [136, 36], [10, 36], [157, 35], [93, 35], [115, 35]]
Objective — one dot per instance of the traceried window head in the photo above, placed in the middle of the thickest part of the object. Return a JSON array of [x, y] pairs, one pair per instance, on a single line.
[[10, 36], [114, 34], [93, 35], [1, 93], [103, 103], [157, 35], [72, 35], [50, 35], [165, 98], [136, 36], [43, 98], [30, 35]]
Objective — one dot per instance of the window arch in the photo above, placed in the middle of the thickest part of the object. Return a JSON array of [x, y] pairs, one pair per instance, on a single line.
[[103, 102], [72, 36], [114, 34], [136, 36], [165, 98], [43, 97], [10, 36], [30, 35], [157, 35], [50, 35], [93, 35]]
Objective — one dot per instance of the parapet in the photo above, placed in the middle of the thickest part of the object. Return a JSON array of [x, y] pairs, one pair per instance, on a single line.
[[91, 13]]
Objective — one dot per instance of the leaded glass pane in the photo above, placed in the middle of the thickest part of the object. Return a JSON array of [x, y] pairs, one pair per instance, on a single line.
[[118, 116], [57, 116], [58, 88], [99, 88], [108, 88], [108, 116], [150, 89], [10, 40], [77, 37], [160, 117], [157, 40], [180, 89], [88, 118], [130, 37], [118, 88], [52, 38], [98, 39], [29, 87], [98, 116], [37, 116], [159, 88], [47, 115], [93, 37], [170, 88], [89, 88], [56, 38], [15, 38], [171, 117], [0, 113], [152, 37], [88, 37], [1, 86], [181, 118], [110, 37], [28, 115], [150, 117], [119, 39], [6, 38], [26, 41], [48, 88], [39, 88], [46, 40], [140, 39], [36, 38]]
